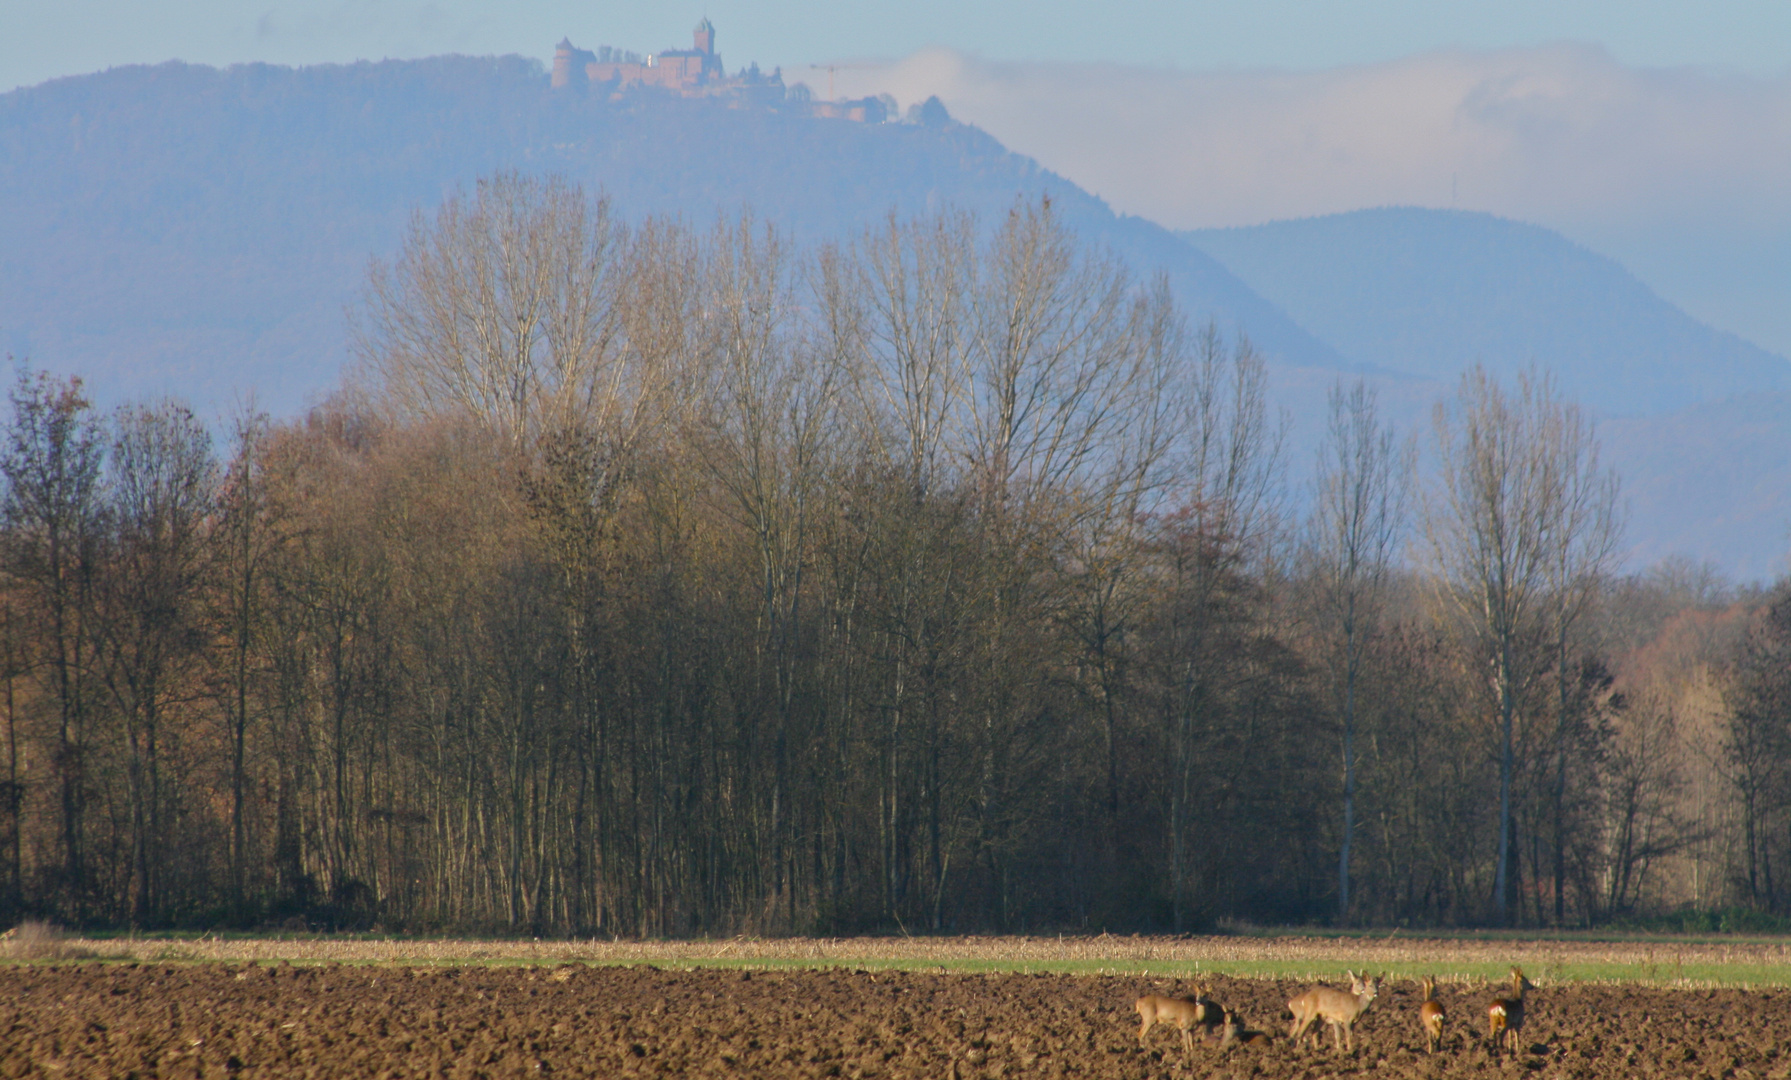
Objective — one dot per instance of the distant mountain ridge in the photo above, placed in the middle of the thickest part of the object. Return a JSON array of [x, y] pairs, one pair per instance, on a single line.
[[200, 231], [1428, 292]]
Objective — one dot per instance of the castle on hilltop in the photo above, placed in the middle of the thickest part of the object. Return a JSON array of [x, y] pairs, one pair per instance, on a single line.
[[697, 72], [692, 72]]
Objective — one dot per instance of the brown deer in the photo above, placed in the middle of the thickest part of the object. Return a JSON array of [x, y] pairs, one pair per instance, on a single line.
[[1235, 1034], [1154, 1009], [1211, 1012], [1505, 1015], [1430, 1015], [1338, 1009]]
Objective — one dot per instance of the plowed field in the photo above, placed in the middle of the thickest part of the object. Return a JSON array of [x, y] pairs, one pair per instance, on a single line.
[[353, 1021]]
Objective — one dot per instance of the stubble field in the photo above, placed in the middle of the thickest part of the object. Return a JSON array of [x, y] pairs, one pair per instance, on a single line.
[[325, 1018]]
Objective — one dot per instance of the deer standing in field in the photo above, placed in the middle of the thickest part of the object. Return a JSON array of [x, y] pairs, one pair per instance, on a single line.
[[1338, 1009], [1505, 1015], [1154, 1009], [1430, 1015]]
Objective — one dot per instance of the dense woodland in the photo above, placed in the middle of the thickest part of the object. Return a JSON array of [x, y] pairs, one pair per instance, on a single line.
[[655, 580]]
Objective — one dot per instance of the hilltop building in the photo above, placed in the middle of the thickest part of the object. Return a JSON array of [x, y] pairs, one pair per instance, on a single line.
[[868, 110], [697, 72], [692, 72]]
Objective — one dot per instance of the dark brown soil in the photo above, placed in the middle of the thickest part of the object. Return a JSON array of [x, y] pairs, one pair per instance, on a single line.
[[214, 1021]]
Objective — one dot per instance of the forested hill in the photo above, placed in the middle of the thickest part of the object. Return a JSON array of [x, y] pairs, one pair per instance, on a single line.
[[1428, 292], [186, 229]]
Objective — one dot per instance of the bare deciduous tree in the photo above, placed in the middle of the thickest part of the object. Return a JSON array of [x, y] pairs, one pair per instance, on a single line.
[[1756, 744], [1642, 782], [1226, 512], [163, 487], [902, 309], [245, 538], [1582, 533], [53, 513], [1487, 528], [1358, 513], [774, 403], [1229, 446], [1069, 368], [504, 306]]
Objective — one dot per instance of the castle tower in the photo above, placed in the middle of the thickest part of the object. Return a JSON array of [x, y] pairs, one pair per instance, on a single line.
[[563, 64], [705, 37]]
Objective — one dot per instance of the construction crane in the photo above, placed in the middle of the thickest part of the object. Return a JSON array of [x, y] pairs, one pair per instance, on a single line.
[[831, 68]]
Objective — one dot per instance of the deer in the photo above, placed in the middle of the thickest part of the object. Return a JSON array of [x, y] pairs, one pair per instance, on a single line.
[[1430, 1015], [1338, 1009], [1235, 1034], [1505, 1014], [1212, 1014], [1184, 1014]]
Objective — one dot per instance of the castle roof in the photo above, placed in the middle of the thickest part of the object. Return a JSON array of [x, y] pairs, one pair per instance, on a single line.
[[705, 25]]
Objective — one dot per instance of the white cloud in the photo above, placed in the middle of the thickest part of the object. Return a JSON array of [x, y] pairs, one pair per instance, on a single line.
[[1562, 135]]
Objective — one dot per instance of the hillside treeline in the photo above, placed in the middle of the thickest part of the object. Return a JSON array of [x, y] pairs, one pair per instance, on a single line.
[[653, 580]]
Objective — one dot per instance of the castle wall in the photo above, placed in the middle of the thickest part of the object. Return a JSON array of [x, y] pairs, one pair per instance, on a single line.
[[694, 72]]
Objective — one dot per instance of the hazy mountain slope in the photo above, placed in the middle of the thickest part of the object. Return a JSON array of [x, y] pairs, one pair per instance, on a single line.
[[1712, 481], [1430, 291], [199, 231]]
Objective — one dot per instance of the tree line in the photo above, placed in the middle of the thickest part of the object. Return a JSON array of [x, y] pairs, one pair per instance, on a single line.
[[654, 580]]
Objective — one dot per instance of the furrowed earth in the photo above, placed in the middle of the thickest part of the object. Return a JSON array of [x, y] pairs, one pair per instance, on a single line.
[[218, 1020]]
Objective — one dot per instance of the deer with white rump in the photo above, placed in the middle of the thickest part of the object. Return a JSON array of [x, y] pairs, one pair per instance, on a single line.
[[1505, 1016], [1431, 1015]]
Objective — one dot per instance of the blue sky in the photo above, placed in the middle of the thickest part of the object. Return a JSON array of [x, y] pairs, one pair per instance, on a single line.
[[41, 40]]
